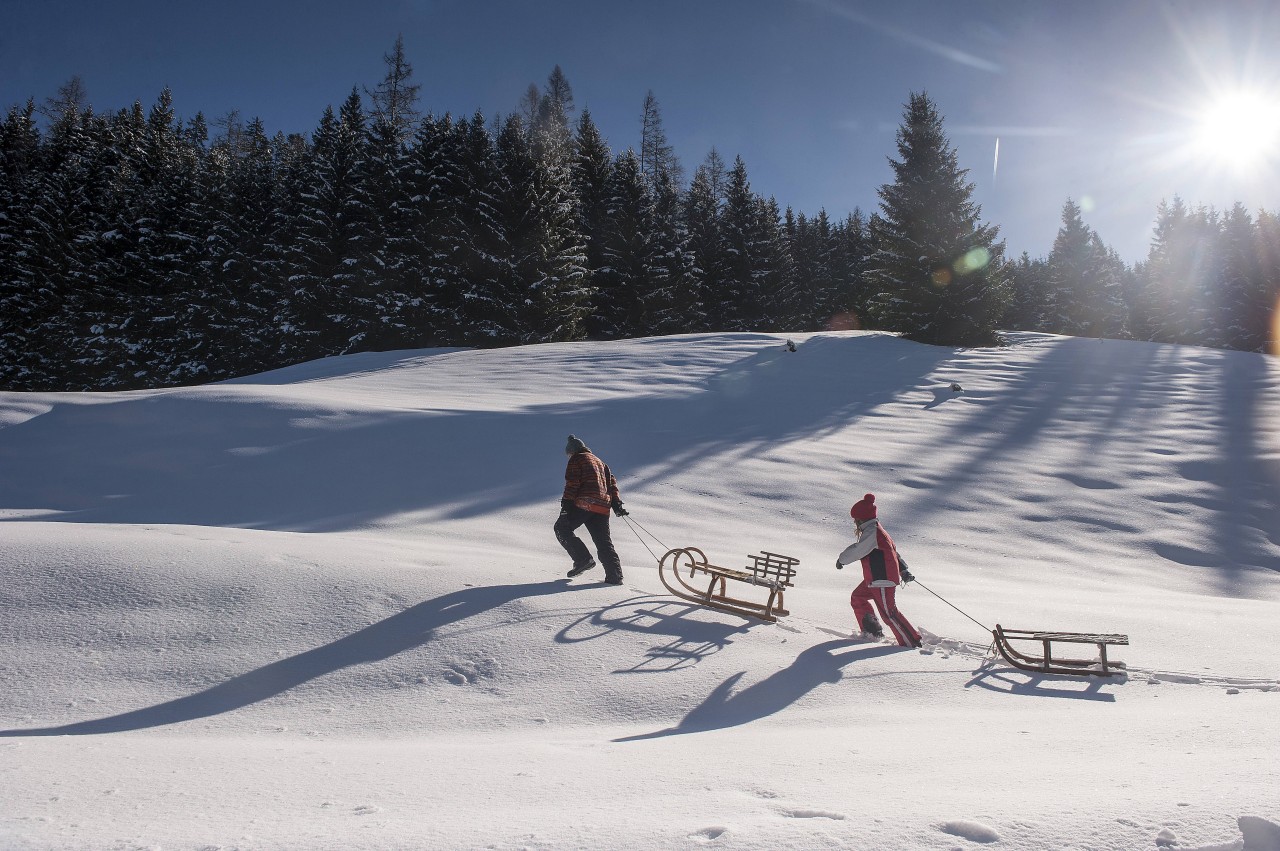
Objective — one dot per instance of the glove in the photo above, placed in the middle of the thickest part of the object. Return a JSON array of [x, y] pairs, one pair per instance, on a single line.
[[839, 566], [566, 505], [618, 510], [906, 576]]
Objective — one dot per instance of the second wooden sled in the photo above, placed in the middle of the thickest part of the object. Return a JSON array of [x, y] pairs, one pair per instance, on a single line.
[[687, 574], [1047, 663]]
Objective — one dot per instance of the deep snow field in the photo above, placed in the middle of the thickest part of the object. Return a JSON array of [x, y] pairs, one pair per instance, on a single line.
[[323, 608]]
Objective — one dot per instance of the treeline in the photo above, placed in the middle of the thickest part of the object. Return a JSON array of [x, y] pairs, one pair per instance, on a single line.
[[1210, 279], [137, 252]]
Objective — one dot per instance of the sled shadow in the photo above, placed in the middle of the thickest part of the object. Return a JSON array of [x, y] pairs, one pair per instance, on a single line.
[[404, 631], [691, 640], [726, 708], [1027, 684]]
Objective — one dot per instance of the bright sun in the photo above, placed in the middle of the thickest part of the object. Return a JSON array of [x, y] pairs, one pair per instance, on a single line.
[[1240, 129]]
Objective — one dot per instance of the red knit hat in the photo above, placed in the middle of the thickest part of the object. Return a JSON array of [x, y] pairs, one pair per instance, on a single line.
[[865, 508]]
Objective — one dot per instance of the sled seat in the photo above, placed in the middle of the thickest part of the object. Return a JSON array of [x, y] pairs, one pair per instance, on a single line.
[[1047, 662], [689, 565]]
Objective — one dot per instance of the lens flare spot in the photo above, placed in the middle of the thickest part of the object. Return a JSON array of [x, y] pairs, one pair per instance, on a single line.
[[1087, 204], [972, 261], [844, 322], [941, 277], [1275, 328]]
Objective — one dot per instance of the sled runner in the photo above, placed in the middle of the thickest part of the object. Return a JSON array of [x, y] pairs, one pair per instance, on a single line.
[[1047, 663], [684, 571]]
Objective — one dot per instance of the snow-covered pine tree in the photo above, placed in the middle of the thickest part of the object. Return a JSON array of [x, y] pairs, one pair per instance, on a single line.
[[155, 261], [329, 307], [482, 249], [41, 218], [1180, 275], [741, 296], [1243, 303], [772, 269], [591, 168], [393, 277], [806, 257], [1084, 296], [548, 277], [624, 283], [1030, 300], [846, 303], [1268, 248], [937, 272], [237, 313], [707, 250], [554, 114], [19, 144], [674, 305], [437, 182]]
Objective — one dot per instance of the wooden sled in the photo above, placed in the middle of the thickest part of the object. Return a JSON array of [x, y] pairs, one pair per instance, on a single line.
[[1047, 663], [687, 574]]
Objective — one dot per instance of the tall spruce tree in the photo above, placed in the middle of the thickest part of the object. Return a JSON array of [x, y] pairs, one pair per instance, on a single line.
[[331, 298], [1180, 275], [845, 306], [1028, 308], [591, 169], [435, 275], [483, 248], [1085, 296], [708, 252], [542, 291], [675, 304], [625, 282], [657, 156], [938, 272], [741, 294]]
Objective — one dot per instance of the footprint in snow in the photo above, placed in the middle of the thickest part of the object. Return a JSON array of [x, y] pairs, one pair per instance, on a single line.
[[708, 834], [970, 830], [813, 814]]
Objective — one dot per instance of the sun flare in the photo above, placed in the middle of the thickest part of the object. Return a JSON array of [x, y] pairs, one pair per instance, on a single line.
[[1240, 129]]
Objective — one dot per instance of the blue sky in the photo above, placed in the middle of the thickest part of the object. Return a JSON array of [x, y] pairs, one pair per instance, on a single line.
[[1098, 100]]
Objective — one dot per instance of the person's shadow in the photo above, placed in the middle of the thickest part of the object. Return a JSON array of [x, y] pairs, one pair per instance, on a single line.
[[400, 632], [726, 708]]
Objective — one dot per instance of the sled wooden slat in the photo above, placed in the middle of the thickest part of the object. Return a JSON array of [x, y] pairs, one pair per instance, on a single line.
[[683, 571], [1046, 663]]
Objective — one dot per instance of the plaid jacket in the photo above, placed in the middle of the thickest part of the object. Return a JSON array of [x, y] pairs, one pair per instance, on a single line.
[[588, 482]]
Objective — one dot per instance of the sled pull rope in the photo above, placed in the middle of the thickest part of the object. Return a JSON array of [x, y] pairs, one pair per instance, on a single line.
[[632, 527], [952, 605]]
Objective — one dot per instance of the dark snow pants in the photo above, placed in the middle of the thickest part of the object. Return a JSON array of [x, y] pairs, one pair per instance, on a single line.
[[598, 527]]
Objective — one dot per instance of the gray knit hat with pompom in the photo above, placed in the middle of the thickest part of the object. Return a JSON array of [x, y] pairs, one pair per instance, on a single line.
[[574, 446]]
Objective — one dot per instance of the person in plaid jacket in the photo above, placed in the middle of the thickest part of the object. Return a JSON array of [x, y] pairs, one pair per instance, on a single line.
[[590, 493]]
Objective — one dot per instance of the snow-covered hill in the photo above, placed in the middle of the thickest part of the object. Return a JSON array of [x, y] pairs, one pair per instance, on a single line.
[[323, 607]]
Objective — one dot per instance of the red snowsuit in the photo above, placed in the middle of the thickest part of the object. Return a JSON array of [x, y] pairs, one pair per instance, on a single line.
[[880, 578]]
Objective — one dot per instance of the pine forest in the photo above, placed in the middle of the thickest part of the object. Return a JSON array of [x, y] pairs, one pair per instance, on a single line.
[[140, 249]]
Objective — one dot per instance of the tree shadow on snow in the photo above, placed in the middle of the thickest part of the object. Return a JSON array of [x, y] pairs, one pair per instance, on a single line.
[[725, 707], [219, 456], [410, 628]]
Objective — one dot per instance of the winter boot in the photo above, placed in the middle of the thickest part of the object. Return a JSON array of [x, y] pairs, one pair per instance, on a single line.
[[871, 626], [579, 569], [613, 578]]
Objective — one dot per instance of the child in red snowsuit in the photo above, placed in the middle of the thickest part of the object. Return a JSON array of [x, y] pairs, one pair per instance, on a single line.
[[882, 571]]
